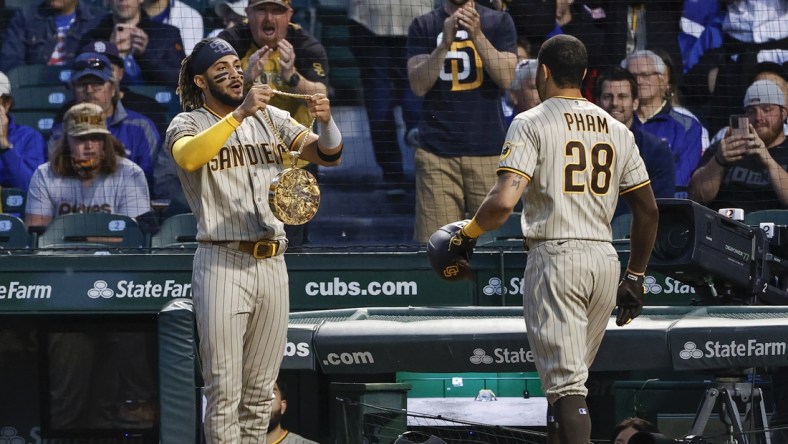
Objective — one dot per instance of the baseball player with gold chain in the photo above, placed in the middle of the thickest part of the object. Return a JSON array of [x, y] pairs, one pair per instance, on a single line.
[[569, 160], [228, 152]]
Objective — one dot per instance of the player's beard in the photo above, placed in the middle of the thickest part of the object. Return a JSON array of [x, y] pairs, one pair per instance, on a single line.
[[222, 97], [276, 419]]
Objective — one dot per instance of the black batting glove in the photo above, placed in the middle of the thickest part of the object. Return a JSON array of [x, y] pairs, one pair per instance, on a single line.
[[461, 245], [629, 298]]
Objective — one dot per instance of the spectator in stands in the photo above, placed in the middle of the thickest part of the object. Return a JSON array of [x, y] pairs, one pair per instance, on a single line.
[[177, 13], [628, 427], [379, 30], [682, 133], [87, 173], [277, 434], [748, 171], [752, 32], [765, 71], [232, 13], [46, 33], [617, 93], [152, 52], [460, 57], [282, 53], [674, 95], [166, 184], [522, 94], [140, 103], [92, 81], [22, 149]]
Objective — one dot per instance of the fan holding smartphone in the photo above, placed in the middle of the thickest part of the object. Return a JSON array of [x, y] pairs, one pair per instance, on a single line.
[[146, 59], [747, 169]]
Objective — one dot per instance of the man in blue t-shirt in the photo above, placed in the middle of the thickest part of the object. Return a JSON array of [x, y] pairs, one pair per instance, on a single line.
[[460, 57]]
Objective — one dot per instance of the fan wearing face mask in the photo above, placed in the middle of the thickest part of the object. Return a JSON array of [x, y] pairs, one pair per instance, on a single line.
[[87, 173]]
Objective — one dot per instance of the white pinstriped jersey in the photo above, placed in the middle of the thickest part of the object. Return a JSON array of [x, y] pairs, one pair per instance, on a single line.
[[578, 159], [229, 194]]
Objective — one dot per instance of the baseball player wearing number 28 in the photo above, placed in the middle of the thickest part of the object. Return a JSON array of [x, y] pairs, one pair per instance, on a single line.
[[228, 155], [570, 160]]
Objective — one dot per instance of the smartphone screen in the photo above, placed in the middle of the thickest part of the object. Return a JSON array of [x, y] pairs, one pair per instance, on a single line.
[[740, 125]]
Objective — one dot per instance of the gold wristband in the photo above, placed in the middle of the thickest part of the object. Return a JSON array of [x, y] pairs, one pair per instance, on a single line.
[[472, 229]]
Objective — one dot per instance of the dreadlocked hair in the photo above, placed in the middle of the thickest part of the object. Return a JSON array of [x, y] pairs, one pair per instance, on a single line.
[[190, 95]]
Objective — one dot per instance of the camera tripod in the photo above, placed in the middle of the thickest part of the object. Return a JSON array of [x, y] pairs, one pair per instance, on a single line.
[[725, 393]]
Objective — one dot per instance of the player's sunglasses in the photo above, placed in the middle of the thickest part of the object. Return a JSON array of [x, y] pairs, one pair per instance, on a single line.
[[96, 64]]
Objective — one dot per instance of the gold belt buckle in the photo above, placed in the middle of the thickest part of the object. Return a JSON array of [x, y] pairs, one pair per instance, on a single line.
[[265, 249]]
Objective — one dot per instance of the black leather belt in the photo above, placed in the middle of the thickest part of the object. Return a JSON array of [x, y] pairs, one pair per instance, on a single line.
[[262, 249]]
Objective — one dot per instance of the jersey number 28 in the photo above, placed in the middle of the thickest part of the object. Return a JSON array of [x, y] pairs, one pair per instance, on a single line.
[[575, 177]]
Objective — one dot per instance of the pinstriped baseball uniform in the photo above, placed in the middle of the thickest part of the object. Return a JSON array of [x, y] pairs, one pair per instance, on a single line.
[[241, 303], [578, 160]]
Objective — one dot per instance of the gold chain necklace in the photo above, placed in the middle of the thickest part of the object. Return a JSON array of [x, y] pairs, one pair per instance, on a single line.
[[294, 194]]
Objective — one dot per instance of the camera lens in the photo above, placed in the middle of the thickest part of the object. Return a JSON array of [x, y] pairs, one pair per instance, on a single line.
[[674, 234]]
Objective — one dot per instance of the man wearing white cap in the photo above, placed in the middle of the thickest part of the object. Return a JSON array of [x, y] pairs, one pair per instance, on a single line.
[[22, 149], [748, 171], [232, 13]]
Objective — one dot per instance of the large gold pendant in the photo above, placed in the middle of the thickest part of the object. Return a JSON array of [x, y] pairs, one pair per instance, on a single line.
[[294, 196]]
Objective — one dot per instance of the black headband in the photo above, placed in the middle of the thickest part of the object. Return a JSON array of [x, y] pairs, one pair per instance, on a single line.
[[209, 54]]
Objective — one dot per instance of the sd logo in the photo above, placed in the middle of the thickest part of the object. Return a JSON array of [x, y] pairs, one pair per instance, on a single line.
[[451, 271]]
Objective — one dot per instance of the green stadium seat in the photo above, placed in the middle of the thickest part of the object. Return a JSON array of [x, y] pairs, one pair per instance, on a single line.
[[178, 231], [621, 226], [13, 201], [36, 98], [43, 120], [165, 95], [38, 75], [92, 230], [13, 233], [779, 217], [16, 4], [510, 234]]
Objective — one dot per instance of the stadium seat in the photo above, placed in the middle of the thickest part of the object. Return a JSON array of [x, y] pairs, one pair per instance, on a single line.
[[510, 234], [13, 201], [779, 217], [38, 75], [178, 231], [42, 120], [621, 226], [16, 4], [13, 233], [37, 98], [165, 95], [92, 230]]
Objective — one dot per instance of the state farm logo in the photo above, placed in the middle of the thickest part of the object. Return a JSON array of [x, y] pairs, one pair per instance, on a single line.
[[496, 286], [733, 349], [145, 289], [670, 286], [480, 356], [100, 290], [690, 351], [502, 355]]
